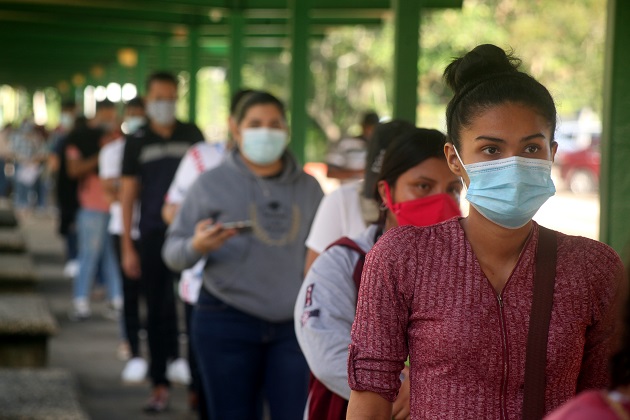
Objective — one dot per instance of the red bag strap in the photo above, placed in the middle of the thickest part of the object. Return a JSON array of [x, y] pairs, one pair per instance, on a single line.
[[538, 334], [358, 268], [323, 404]]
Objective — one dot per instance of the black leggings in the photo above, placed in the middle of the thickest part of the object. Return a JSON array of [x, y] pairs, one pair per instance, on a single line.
[[131, 304], [158, 285]]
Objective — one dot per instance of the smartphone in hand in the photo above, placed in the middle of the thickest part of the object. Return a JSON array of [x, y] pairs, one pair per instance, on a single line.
[[240, 226]]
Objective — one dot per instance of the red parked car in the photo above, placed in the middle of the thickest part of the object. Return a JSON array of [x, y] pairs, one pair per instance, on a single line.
[[579, 169]]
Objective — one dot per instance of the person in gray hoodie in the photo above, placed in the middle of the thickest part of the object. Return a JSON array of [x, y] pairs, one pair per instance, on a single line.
[[414, 187], [249, 218]]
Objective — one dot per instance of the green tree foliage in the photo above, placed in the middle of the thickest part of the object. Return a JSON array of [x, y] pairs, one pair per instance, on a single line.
[[351, 70], [561, 43]]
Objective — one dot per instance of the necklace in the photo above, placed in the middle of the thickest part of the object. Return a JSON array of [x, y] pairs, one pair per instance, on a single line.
[[264, 237]]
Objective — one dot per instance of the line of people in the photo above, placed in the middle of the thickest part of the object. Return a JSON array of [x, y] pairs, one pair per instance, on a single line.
[[115, 177], [427, 311], [377, 301]]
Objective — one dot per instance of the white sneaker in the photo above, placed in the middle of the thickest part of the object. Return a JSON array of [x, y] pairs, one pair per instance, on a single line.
[[112, 313], [135, 370], [178, 371], [80, 310], [71, 269]]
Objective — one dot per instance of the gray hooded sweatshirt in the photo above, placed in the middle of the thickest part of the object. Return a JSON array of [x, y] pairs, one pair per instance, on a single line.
[[258, 271]]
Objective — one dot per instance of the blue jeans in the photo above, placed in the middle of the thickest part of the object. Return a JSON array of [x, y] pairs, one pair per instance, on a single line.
[[243, 359], [23, 192], [96, 255]]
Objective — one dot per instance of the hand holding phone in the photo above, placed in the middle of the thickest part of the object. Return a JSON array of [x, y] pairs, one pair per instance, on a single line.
[[209, 237], [240, 226]]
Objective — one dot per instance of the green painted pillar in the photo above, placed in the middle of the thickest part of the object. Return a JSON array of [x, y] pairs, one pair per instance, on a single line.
[[141, 72], [163, 51], [237, 49], [115, 73], [406, 54], [193, 69], [615, 182], [299, 33]]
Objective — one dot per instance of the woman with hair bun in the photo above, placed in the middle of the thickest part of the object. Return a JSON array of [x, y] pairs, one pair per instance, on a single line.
[[457, 297]]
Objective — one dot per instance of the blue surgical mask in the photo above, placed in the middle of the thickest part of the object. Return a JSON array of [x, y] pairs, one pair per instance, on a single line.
[[509, 191], [263, 146]]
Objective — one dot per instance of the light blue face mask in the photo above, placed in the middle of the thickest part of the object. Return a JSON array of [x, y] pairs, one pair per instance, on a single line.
[[509, 191], [263, 146], [132, 124]]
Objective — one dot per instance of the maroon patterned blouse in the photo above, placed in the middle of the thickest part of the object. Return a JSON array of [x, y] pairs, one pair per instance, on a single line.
[[423, 293]]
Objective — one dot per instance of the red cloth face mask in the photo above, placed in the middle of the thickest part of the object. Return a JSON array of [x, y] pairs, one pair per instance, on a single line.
[[423, 211]]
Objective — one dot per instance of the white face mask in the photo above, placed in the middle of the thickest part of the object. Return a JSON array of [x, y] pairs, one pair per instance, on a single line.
[[66, 121], [263, 146], [162, 112], [132, 124]]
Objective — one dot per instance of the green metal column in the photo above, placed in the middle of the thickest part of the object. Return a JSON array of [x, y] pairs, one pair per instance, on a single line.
[[115, 73], [615, 182], [193, 69], [299, 32], [163, 51], [141, 72], [406, 54], [237, 49]]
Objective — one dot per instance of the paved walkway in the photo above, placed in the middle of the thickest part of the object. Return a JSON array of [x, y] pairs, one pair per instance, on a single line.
[[88, 349]]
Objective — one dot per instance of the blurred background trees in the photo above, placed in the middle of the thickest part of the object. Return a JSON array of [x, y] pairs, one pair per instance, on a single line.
[[561, 44]]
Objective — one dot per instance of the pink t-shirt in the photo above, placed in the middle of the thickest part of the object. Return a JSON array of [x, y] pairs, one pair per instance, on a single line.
[[91, 192], [423, 294]]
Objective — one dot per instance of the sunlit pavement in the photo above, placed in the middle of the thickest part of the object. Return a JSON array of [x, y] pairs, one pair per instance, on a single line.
[[573, 214]]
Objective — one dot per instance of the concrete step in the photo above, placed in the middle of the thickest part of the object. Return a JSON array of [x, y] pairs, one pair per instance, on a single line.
[[25, 326], [17, 273], [7, 215], [12, 240], [39, 394]]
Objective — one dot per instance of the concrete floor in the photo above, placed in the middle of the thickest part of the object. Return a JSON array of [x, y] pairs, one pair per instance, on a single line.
[[88, 348]]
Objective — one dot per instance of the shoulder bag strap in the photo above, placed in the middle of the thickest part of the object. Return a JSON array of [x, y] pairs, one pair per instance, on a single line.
[[358, 268], [542, 301]]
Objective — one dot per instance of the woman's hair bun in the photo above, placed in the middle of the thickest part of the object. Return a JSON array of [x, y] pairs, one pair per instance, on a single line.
[[483, 61]]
